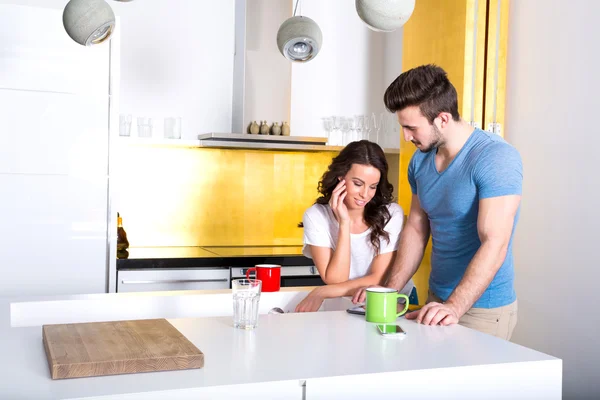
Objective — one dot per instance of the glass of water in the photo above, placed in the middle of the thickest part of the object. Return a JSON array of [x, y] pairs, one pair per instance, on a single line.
[[246, 294]]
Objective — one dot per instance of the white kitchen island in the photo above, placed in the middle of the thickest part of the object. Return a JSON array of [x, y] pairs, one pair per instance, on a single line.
[[322, 355]]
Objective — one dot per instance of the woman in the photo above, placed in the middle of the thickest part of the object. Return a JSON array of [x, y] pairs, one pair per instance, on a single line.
[[352, 230]]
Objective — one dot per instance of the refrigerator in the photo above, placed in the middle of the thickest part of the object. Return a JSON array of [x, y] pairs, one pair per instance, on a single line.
[[57, 106]]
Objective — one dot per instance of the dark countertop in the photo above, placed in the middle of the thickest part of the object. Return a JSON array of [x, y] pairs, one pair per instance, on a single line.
[[212, 256]]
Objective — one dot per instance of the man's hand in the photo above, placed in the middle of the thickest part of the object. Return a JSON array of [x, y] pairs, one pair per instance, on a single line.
[[435, 314], [360, 295], [312, 302]]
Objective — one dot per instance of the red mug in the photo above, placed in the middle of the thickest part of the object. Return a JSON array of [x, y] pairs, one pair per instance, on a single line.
[[269, 274]]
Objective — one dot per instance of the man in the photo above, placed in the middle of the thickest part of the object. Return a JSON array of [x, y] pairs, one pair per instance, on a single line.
[[466, 190]]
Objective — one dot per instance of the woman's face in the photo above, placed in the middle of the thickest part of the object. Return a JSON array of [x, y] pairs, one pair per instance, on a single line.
[[361, 185]]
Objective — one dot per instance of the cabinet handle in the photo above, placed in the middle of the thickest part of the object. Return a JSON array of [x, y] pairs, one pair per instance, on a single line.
[[175, 281]]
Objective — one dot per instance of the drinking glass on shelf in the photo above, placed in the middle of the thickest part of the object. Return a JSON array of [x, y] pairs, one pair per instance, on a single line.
[[345, 128], [380, 131], [125, 125], [172, 128], [144, 127], [350, 127], [394, 136], [373, 128], [246, 295], [359, 127], [336, 139], [328, 125], [366, 127]]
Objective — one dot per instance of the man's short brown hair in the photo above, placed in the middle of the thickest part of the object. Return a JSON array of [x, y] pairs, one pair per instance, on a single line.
[[426, 87]]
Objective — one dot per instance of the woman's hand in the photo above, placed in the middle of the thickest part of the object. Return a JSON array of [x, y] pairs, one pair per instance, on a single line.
[[337, 203], [360, 296], [312, 302]]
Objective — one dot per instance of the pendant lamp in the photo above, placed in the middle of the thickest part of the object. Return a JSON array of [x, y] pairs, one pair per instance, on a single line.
[[89, 22], [299, 38], [384, 15]]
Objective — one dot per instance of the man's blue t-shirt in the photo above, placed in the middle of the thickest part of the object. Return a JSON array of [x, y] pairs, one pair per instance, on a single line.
[[486, 166]]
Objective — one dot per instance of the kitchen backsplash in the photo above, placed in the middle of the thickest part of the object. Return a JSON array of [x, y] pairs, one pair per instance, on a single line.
[[175, 196], [214, 197]]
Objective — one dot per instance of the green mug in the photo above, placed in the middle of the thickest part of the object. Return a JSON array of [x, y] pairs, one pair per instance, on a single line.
[[382, 304]]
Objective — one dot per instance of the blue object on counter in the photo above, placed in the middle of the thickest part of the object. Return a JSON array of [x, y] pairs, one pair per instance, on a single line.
[[413, 298]]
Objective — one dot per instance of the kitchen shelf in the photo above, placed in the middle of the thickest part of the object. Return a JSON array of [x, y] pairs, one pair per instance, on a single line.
[[242, 141]]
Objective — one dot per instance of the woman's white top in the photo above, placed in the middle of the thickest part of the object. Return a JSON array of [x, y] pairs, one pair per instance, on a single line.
[[321, 229]]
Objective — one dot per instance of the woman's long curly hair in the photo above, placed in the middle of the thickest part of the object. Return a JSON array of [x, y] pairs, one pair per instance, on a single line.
[[376, 214]]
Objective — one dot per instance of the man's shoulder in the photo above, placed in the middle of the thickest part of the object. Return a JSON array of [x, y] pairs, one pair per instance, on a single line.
[[492, 146]]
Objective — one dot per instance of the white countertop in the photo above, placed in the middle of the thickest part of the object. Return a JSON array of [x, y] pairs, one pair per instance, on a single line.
[[283, 347]]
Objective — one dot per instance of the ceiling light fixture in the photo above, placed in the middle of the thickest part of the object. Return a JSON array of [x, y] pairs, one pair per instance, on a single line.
[[384, 15], [299, 38], [89, 22]]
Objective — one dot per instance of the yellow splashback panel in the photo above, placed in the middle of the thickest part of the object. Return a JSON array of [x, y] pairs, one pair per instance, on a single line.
[[171, 196]]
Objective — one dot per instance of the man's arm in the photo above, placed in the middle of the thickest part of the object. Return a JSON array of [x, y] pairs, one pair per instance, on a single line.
[[494, 226], [411, 249], [413, 240]]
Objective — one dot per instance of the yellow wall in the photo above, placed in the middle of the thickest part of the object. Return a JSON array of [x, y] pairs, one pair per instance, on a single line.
[[497, 49], [441, 32], [175, 196], [206, 197]]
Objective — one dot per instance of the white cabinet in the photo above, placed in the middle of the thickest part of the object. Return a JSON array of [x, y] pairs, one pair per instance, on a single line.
[[37, 54], [55, 108], [47, 133], [150, 280]]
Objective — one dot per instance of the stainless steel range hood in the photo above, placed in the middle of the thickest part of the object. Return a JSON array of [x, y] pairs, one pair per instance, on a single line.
[[259, 96], [247, 141]]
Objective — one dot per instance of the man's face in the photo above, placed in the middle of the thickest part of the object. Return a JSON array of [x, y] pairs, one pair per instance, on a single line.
[[418, 130]]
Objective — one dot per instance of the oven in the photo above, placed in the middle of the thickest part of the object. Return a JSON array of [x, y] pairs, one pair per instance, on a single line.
[[292, 276]]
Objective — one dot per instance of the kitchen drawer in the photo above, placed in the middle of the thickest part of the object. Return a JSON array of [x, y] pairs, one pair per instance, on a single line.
[[172, 279]]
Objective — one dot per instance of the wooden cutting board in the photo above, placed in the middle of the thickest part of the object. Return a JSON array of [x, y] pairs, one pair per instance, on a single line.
[[119, 347]]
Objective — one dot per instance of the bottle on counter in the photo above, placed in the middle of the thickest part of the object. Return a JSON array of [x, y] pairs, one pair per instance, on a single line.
[[122, 242]]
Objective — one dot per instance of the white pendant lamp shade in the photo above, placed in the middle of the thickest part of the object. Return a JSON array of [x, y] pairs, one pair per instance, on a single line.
[[299, 39], [88, 22], [384, 15]]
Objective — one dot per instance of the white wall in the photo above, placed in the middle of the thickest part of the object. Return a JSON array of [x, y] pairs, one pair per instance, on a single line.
[[346, 77], [176, 61], [392, 62], [552, 102]]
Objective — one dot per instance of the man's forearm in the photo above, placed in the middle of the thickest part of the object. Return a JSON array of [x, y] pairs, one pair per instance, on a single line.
[[478, 276], [349, 287], [410, 254], [338, 268]]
